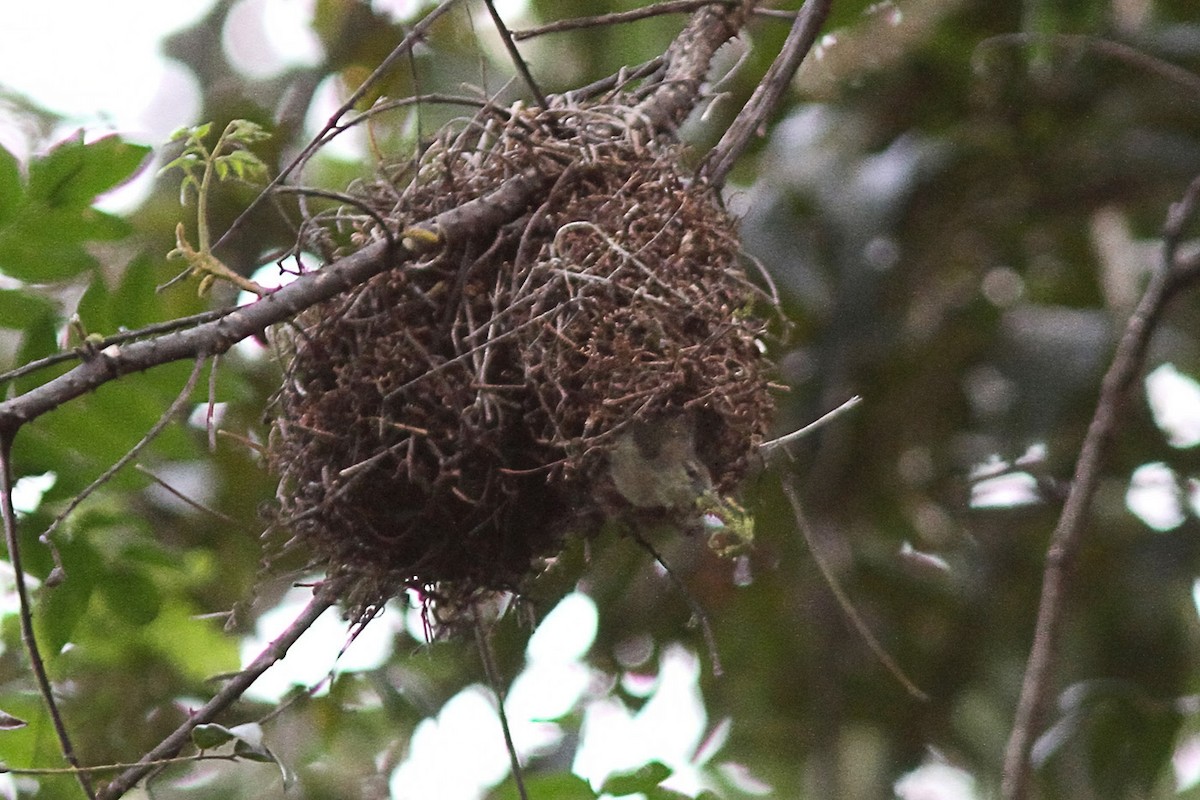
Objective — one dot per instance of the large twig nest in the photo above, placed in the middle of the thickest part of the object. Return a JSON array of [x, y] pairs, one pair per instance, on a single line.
[[445, 425]]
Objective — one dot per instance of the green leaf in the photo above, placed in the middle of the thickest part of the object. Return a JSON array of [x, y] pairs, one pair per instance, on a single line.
[[43, 244], [131, 595], [245, 165], [251, 752], [642, 779], [10, 723], [210, 735], [11, 192], [62, 607], [186, 162], [249, 743], [41, 251], [73, 173], [200, 132], [559, 786], [19, 309], [246, 132]]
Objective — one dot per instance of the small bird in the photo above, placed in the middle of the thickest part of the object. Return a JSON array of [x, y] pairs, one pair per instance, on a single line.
[[655, 468], [654, 465]]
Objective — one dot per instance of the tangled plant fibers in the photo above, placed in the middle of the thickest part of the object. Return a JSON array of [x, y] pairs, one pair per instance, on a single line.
[[445, 425]]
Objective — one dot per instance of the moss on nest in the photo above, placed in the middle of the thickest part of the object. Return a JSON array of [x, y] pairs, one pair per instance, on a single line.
[[443, 426]]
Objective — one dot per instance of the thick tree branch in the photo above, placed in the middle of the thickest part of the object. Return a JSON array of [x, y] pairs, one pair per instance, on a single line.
[[1069, 532], [687, 61], [480, 217]]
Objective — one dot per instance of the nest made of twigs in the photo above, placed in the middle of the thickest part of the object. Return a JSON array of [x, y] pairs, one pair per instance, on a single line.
[[443, 426]]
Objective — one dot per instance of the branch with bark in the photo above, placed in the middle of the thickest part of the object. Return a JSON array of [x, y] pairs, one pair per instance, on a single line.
[[683, 69], [1174, 274]]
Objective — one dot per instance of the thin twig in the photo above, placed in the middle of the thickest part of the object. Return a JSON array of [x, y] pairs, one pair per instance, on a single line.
[[162, 762], [767, 95], [488, 657], [515, 55], [323, 599], [415, 35], [176, 406], [843, 599], [25, 613], [116, 338], [183, 497], [698, 612], [1068, 536], [618, 17], [770, 451], [1184, 79]]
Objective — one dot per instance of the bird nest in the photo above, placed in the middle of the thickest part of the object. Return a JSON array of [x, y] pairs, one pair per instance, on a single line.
[[444, 426]]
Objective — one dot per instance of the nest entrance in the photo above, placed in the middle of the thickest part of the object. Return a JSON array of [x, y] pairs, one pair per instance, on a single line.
[[446, 424]]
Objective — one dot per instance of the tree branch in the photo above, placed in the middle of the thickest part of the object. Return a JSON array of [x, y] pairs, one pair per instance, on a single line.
[[25, 614], [478, 217], [618, 17], [325, 597], [765, 100], [1069, 532], [687, 61]]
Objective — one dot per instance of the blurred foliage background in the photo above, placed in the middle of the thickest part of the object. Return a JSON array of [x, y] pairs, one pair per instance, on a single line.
[[959, 221]]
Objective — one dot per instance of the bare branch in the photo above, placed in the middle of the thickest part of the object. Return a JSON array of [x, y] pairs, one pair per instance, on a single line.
[[25, 613], [770, 451], [698, 612], [324, 599], [116, 338], [765, 100], [487, 655], [515, 55], [843, 599], [1068, 536], [176, 406], [687, 61], [618, 17], [1184, 79], [228, 520]]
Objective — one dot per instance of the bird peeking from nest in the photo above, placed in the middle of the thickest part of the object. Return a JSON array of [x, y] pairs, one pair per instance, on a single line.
[[654, 467]]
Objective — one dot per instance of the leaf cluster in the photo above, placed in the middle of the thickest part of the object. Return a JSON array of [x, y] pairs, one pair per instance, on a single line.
[[229, 158]]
